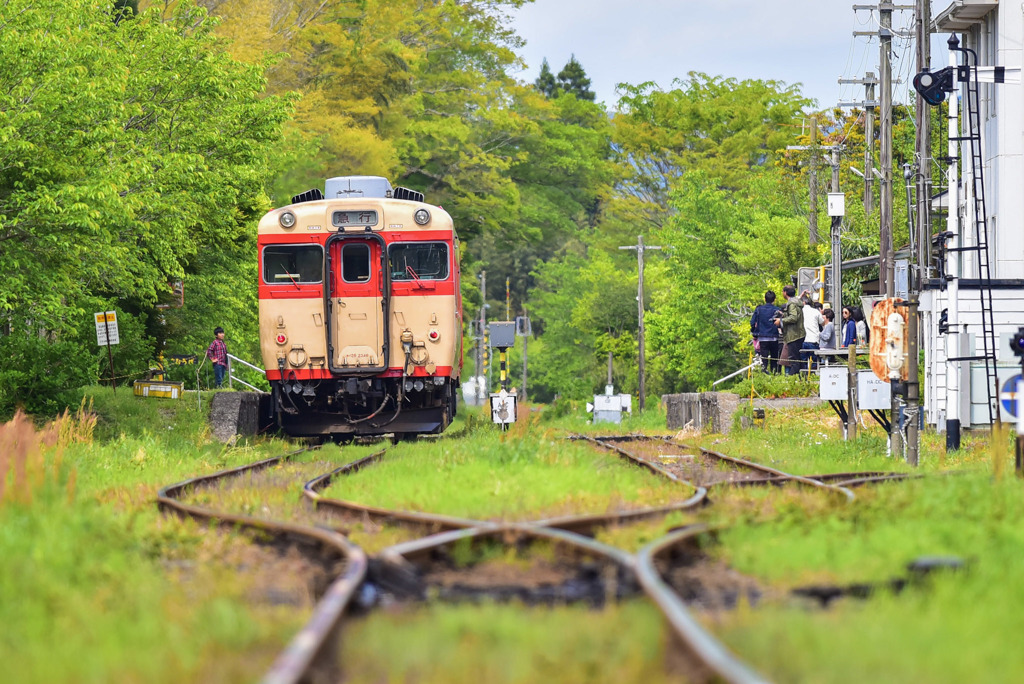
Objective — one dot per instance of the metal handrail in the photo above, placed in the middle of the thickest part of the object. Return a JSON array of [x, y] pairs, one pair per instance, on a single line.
[[741, 370], [232, 357], [232, 377]]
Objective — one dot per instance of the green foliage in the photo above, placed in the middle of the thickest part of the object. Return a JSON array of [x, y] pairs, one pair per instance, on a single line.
[[40, 375], [589, 309], [774, 386], [545, 82], [572, 80], [716, 267], [720, 126], [128, 150]]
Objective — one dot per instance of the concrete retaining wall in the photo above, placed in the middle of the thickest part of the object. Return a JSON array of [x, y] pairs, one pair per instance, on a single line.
[[235, 414], [706, 411]]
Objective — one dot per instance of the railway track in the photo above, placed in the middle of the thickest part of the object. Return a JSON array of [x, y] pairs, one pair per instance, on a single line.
[[308, 657], [583, 569]]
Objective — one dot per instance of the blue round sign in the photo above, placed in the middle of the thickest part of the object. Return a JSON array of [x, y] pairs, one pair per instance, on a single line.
[[1008, 395]]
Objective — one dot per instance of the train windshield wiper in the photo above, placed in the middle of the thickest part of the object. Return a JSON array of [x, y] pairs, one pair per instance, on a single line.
[[419, 284]]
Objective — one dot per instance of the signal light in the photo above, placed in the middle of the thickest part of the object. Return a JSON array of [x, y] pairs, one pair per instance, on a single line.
[[1017, 343], [933, 85], [944, 322]]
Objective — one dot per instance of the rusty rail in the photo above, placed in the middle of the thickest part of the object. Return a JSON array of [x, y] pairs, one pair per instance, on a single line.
[[308, 651], [579, 524], [717, 661]]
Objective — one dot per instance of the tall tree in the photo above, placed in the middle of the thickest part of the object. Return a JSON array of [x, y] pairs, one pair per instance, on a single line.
[[573, 79], [109, 191], [545, 82]]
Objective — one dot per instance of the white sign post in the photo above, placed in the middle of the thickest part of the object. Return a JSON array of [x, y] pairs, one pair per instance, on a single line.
[[106, 328], [106, 335]]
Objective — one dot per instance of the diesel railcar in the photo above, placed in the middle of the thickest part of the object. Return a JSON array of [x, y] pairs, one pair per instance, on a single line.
[[360, 311]]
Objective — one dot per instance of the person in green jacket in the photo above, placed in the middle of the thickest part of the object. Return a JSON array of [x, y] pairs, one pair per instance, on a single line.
[[792, 324]]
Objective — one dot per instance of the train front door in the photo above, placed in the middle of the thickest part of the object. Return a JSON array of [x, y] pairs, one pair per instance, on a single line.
[[357, 311]]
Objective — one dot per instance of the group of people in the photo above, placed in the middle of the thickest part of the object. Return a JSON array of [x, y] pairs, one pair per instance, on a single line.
[[788, 336]]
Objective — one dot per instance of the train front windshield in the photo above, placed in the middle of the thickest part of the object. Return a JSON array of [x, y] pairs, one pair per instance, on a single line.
[[418, 261]]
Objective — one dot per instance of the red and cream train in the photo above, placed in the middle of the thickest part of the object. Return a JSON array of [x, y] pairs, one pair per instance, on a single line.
[[360, 311]]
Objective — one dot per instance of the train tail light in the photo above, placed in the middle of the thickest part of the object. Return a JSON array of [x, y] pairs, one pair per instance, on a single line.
[[434, 335]]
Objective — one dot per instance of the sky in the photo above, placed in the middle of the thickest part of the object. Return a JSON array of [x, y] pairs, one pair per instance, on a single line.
[[809, 42]]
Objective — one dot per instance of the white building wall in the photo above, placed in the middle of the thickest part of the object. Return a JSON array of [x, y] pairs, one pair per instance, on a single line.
[[998, 39], [1008, 242]]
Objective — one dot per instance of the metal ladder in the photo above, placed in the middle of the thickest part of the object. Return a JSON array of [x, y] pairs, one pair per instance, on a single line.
[[968, 72]]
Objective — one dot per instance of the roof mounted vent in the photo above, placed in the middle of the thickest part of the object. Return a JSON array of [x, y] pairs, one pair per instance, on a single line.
[[401, 193], [357, 187], [308, 196]]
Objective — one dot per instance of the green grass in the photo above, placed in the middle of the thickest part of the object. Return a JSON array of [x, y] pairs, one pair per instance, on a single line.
[[771, 386], [521, 474], [954, 628], [97, 586], [507, 644], [84, 598], [85, 593]]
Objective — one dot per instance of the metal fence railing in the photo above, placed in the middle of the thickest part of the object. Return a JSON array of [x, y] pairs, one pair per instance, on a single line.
[[232, 359]]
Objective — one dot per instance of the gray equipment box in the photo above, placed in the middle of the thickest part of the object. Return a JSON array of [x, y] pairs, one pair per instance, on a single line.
[[503, 334]]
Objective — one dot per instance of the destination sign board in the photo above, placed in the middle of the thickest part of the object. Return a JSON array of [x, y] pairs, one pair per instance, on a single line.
[[354, 219]]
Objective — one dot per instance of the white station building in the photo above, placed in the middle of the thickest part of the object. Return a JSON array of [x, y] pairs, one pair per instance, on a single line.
[[995, 31]]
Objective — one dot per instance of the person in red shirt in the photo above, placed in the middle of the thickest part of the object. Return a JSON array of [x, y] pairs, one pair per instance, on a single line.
[[217, 352]]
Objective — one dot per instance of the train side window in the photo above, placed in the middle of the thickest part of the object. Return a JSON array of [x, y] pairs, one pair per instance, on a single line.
[[293, 264], [355, 263], [418, 261]]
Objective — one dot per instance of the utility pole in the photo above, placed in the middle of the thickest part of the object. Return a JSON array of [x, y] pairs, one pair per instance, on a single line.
[[886, 265], [480, 345], [812, 230], [640, 247], [837, 257], [869, 82], [869, 149], [526, 339], [918, 271], [837, 290]]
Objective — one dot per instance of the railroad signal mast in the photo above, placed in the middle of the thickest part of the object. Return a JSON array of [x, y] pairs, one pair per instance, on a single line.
[[933, 88]]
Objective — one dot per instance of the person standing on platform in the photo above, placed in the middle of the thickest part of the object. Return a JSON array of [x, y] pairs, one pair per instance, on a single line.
[[766, 334], [849, 327], [792, 325], [827, 339], [813, 322], [217, 352], [863, 331]]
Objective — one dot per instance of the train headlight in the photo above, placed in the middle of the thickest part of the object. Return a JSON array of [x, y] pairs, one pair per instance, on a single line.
[[287, 219], [422, 217], [438, 380], [433, 335], [418, 385]]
